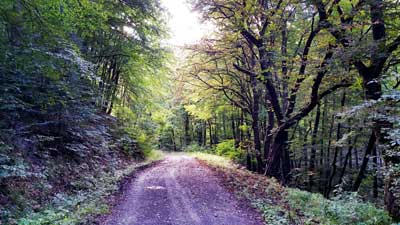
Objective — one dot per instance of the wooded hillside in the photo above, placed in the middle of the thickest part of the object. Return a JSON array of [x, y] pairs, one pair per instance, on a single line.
[[65, 67]]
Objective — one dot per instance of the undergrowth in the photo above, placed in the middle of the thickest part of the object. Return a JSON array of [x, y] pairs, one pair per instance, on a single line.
[[281, 205], [84, 206]]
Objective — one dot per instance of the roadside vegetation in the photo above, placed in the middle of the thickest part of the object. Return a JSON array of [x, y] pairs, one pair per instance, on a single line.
[[284, 205], [75, 104], [91, 201]]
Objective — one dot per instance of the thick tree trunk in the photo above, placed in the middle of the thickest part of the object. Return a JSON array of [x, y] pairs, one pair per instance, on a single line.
[[248, 160], [257, 146], [278, 162], [270, 126], [255, 122], [173, 139]]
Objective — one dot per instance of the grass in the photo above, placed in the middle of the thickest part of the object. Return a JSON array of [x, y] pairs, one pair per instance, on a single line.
[[154, 155], [281, 205], [212, 159], [85, 206]]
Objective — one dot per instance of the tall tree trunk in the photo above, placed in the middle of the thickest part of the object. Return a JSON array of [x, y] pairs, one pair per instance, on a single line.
[[363, 168], [204, 131], [224, 133], [255, 122], [335, 157], [241, 123], [314, 148], [328, 152], [305, 145], [375, 166], [278, 163], [216, 140], [285, 77], [235, 136], [173, 139], [199, 133], [270, 126], [248, 159], [356, 157], [210, 133], [321, 155], [294, 161], [323, 131], [186, 129], [347, 159]]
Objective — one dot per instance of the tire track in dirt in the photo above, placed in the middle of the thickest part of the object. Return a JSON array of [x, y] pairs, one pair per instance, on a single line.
[[180, 191]]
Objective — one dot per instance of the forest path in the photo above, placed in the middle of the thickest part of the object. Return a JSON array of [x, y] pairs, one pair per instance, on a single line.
[[180, 191]]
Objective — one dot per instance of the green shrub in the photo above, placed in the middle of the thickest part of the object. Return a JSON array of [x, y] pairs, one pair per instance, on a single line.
[[227, 148], [144, 142], [346, 209]]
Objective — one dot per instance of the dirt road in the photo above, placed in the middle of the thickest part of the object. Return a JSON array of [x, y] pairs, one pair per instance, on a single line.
[[180, 191]]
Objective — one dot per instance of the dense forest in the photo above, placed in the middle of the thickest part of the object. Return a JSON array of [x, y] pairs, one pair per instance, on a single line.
[[65, 68], [306, 92]]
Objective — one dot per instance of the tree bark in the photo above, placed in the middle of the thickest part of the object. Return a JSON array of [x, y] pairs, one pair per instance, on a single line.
[[234, 133], [336, 153], [210, 133], [186, 129], [368, 151], [375, 166], [278, 159], [270, 126], [314, 148]]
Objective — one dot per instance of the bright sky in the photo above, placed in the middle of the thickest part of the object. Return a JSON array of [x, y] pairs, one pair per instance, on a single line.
[[185, 25]]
